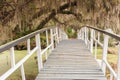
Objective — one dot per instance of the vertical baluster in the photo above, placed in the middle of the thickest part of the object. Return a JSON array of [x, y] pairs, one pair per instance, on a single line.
[[95, 50], [47, 38], [22, 72], [54, 37], [85, 31], [88, 38], [57, 34], [98, 36], [12, 54], [87, 35], [52, 42], [47, 44], [82, 34], [105, 47], [118, 73], [28, 45], [78, 34], [95, 46], [39, 55], [66, 36], [111, 76], [91, 41]]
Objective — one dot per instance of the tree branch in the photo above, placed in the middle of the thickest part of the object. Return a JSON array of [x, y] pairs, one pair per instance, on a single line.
[[55, 19], [53, 13], [77, 15]]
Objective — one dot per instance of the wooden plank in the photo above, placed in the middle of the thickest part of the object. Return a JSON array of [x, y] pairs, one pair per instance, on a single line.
[[71, 60], [71, 76]]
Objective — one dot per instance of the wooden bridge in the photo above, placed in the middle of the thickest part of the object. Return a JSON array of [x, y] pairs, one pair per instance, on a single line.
[[71, 60], [68, 59]]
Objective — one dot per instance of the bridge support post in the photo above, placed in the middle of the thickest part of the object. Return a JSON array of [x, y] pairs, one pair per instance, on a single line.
[[95, 46], [78, 34], [98, 36], [91, 41], [28, 46], [39, 55], [52, 42], [57, 35], [22, 72], [118, 73], [85, 29], [46, 54], [12, 54], [87, 35], [104, 56], [82, 34]]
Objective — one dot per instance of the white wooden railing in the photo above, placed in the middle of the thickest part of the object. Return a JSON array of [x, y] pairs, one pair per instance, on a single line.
[[91, 35], [56, 35]]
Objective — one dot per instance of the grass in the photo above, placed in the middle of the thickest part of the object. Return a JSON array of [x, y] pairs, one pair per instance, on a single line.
[[112, 59], [30, 66]]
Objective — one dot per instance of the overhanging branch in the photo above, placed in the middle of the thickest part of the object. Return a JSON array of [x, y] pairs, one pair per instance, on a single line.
[[53, 13], [77, 15]]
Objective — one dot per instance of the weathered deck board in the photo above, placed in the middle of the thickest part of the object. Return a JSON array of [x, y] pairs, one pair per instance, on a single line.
[[71, 60]]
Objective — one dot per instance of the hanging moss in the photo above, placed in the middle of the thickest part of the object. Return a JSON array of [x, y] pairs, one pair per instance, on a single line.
[[30, 13]]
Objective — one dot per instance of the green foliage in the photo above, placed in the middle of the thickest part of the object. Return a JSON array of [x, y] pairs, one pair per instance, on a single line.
[[71, 32], [23, 45], [30, 72], [43, 41]]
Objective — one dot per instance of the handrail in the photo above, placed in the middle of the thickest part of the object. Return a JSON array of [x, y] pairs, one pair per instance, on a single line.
[[15, 42], [117, 37], [83, 34], [55, 35]]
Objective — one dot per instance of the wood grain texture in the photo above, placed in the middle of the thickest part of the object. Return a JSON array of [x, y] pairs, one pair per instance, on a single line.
[[71, 60]]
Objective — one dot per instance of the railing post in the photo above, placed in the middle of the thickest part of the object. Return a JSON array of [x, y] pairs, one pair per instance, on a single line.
[[87, 35], [47, 38], [91, 41], [39, 55], [22, 72], [104, 56], [82, 34], [95, 46], [47, 43], [28, 45], [98, 36], [118, 73], [88, 39], [85, 29], [111, 76], [57, 34], [55, 37], [52, 42], [12, 54], [78, 34]]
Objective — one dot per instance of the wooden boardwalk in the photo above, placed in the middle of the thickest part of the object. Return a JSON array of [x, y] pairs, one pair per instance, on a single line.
[[71, 60]]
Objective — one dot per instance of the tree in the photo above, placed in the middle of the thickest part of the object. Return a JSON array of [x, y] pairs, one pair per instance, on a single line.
[[26, 16]]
